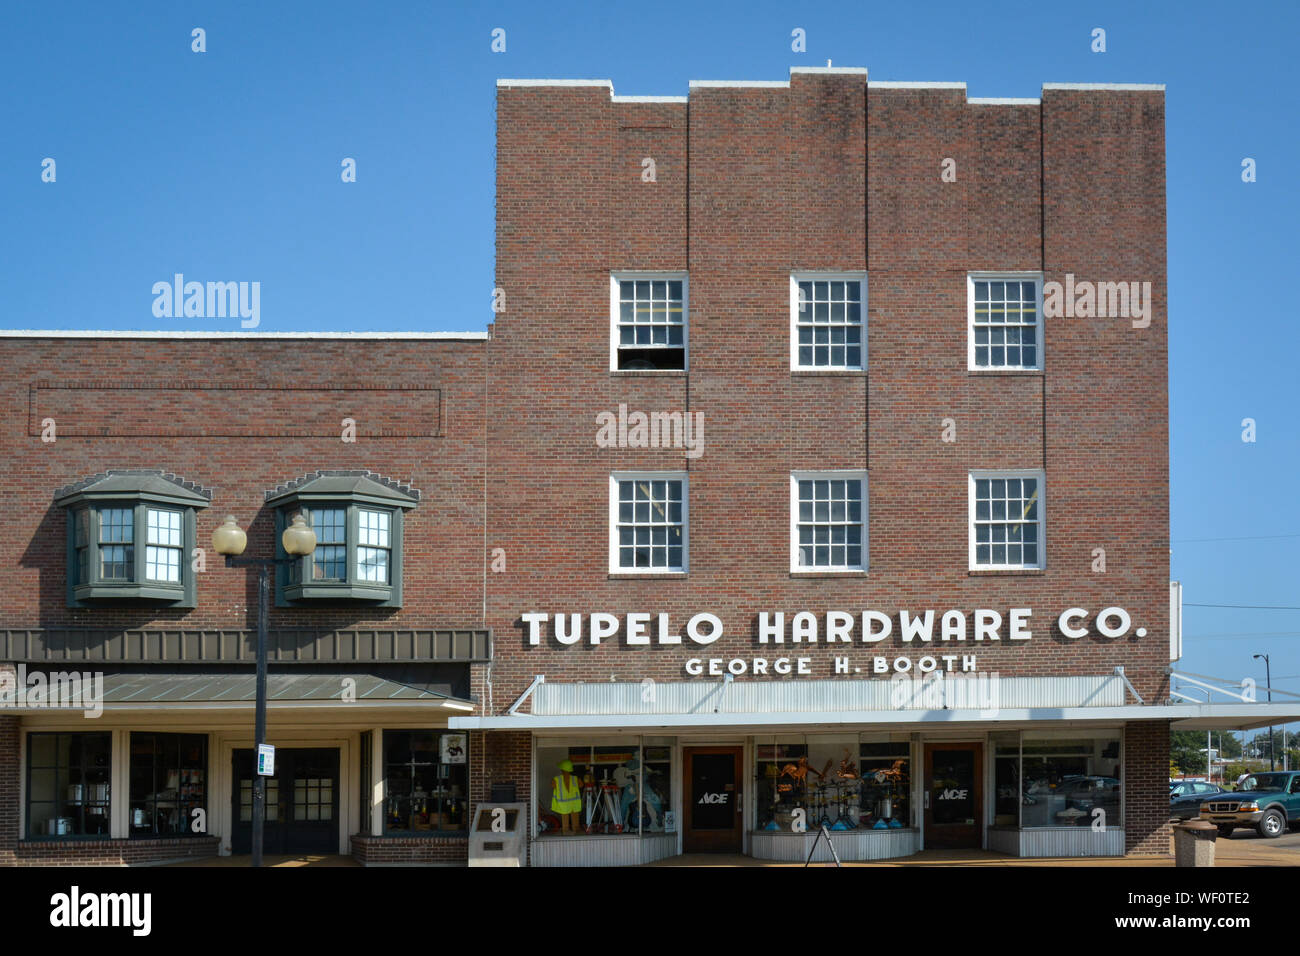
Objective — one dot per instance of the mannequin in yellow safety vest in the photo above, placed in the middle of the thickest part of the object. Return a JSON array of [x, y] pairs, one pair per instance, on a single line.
[[566, 797]]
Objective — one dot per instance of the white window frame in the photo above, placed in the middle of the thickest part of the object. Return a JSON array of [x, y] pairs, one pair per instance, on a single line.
[[631, 276], [971, 277], [1036, 473], [795, 279], [837, 475], [614, 479]]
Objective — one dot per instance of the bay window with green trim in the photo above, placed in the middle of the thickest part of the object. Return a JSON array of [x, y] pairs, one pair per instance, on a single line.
[[129, 537], [358, 525]]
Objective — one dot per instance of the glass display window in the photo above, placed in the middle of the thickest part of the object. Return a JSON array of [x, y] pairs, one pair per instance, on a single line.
[[885, 798], [1070, 781], [1006, 778], [68, 777], [780, 780], [605, 787], [426, 781], [168, 784]]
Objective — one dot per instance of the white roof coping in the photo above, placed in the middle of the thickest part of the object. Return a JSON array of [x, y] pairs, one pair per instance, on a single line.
[[1003, 101], [907, 85], [139, 334], [829, 69], [649, 99], [714, 84], [606, 83], [1103, 86]]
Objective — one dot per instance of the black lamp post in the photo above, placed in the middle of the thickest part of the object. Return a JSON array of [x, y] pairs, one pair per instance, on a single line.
[[230, 540], [1268, 682]]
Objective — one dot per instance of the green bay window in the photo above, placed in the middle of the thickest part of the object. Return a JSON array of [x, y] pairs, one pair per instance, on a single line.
[[357, 518], [130, 534]]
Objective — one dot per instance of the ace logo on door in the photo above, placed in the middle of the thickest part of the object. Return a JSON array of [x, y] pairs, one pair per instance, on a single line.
[[953, 794], [713, 798]]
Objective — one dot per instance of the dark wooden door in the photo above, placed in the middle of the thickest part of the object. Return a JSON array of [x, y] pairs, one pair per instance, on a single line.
[[302, 802], [954, 795], [713, 817]]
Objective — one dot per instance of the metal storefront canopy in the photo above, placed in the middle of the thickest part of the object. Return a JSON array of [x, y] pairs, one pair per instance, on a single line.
[[146, 691]]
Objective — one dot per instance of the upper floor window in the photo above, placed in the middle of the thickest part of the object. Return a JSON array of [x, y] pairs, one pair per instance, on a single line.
[[1005, 325], [129, 537], [828, 320], [828, 521], [648, 522], [649, 315], [357, 518], [1006, 519]]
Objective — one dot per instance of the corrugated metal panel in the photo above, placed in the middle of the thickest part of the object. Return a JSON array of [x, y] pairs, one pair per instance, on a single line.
[[285, 645], [855, 845], [625, 850], [1004, 841], [1072, 841], [982, 692]]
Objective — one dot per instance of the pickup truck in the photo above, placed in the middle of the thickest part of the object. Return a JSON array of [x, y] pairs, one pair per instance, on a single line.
[[1268, 802]]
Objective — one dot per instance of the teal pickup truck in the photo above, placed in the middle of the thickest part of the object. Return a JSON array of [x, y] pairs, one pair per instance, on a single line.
[[1268, 802]]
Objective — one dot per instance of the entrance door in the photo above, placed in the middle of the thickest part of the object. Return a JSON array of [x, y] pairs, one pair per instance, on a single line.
[[302, 802], [954, 796], [712, 817]]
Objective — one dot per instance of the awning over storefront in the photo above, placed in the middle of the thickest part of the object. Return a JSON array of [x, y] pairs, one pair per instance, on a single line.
[[776, 705], [151, 691], [1183, 716]]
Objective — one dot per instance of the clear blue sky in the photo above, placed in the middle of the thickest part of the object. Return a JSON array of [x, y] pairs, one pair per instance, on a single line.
[[225, 165]]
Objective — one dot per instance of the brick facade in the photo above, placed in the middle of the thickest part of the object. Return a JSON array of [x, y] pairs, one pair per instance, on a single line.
[[828, 174], [498, 435], [1146, 788], [113, 852]]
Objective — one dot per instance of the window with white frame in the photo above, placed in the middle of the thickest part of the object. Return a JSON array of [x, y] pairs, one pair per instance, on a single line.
[[1005, 321], [648, 522], [828, 320], [1006, 519], [828, 521], [649, 315], [163, 545]]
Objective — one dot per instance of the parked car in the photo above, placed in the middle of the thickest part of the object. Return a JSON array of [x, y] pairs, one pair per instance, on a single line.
[[1268, 802], [1187, 796]]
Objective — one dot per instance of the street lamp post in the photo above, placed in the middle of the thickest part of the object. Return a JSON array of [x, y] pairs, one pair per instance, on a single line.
[[1268, 682], [230, 540]]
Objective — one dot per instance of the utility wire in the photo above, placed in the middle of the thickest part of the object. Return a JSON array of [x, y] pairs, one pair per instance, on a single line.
[[1250, 607]]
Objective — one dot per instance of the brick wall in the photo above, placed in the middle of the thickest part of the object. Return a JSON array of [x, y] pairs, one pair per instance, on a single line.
[[10, 788], [827, 175], [114, 852], [393, 851], [1146, 788], [232, 454]]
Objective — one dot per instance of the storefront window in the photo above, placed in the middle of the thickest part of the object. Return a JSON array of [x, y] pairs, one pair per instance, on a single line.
[[168, 783], [781, 772], [1006, 771], [1070, 781], [841, 782], [886, 801], [426, 781], [68, 784], [605, 787]]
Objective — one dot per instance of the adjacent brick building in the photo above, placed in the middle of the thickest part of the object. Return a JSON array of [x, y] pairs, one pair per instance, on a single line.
[[832, 301]]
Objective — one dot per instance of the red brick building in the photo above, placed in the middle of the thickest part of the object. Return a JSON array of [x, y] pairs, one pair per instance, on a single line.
[[814, 473]]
